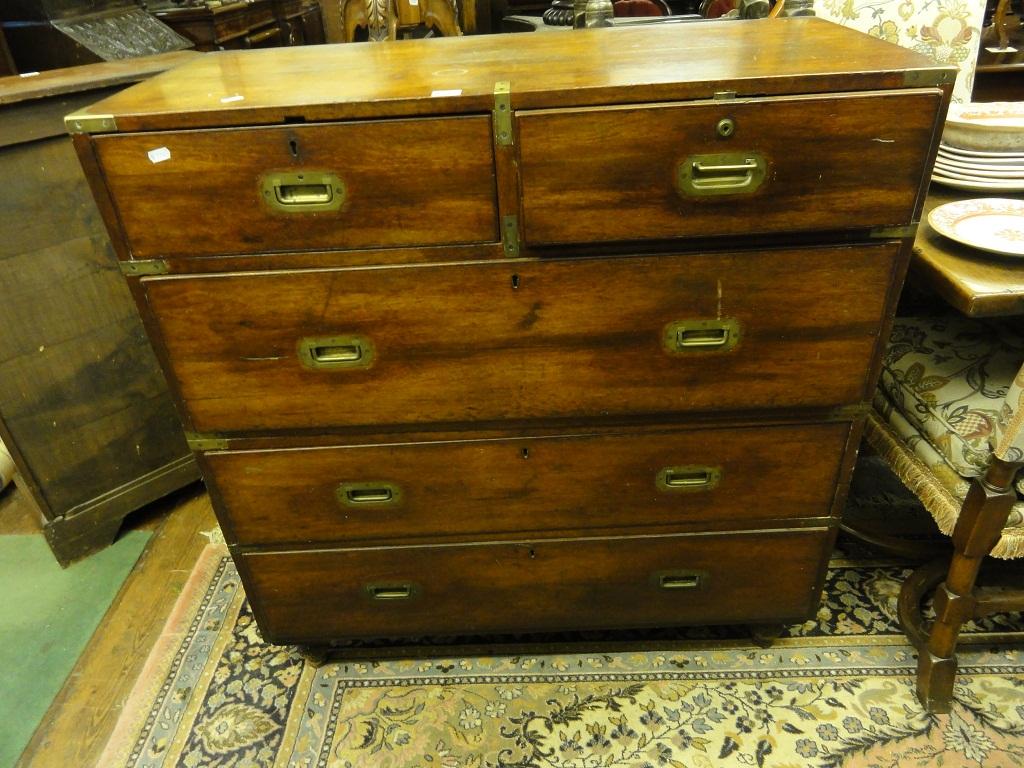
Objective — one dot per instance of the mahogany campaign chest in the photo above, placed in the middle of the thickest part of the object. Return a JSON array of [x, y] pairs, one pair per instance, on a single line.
[[524, 332]]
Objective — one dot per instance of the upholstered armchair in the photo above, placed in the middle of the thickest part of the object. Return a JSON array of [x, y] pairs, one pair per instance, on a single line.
[[949, 420]]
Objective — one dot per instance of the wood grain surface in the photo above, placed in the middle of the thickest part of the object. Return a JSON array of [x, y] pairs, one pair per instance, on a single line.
[[833, 162], [406, 182], [82, 716], [534, 585], [577, 338], [81, 396], [103, 74], [457, 74], [481, 489]]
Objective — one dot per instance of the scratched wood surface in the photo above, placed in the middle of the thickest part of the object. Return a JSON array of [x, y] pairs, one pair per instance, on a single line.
[[601, 582], [523, 340], [457, 74]]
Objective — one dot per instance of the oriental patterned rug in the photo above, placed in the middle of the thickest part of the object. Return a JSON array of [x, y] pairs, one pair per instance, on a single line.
[[836, 691]]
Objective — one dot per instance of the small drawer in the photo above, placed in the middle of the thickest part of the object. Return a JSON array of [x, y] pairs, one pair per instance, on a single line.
[[730, 167], [490, 488], [305, 187], [322, 595], [511, 342]]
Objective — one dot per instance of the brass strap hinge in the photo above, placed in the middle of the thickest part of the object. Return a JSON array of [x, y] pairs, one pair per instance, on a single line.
[[198, 442], [724, 95], [510, 235], [502, 114], [922, 78], [893, 233], [90, 123], [144, 267]]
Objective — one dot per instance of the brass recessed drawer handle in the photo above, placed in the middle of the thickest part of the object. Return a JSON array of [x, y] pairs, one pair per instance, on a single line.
[[336, 352], [718, 335], [688, 478], [303, 191], [681, 579], [721, 174], [402, 591], [372, 494]]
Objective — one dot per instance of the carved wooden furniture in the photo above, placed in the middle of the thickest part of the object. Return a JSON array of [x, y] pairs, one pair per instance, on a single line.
[[948, 420], [386, 19], [83, 407], [466, 342], [51, 34], [239, 24]]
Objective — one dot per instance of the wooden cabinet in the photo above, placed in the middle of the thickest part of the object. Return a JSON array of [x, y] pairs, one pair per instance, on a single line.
[[241, 24], [84, 408], [470, 343]]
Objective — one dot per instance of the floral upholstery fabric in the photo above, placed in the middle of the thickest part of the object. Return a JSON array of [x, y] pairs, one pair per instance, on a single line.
[[947, 31], [957, 485], [959, 382]]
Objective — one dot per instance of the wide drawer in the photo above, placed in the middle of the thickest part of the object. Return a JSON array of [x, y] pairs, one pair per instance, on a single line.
[[489, 488], [725, 167], [499, 342], [303, 596], [304, 187]]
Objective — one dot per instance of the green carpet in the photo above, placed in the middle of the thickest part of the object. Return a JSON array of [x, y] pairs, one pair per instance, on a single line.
[[47, 616]]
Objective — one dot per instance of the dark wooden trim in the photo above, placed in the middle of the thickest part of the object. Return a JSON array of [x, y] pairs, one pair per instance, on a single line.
[[90, 527]]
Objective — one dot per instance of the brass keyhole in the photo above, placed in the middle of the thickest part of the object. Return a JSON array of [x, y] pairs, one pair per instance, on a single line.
[[726, 127]]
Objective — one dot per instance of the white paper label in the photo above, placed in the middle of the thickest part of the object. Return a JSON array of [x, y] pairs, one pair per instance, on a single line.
[[159, 154], [447, 92], [229, 99], [1007, 49], [29, 74]]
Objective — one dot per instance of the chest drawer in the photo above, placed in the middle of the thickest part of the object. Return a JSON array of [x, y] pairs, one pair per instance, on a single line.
[[535, 586], [490, 488], [498, 342], [724, 167], [305, 187]]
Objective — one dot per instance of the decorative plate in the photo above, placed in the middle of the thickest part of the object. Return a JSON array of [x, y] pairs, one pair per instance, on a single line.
[[974, 185], [991, 224], [998, 125]]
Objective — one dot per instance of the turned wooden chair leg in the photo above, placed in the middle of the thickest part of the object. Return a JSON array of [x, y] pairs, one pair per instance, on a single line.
[[978, 528]]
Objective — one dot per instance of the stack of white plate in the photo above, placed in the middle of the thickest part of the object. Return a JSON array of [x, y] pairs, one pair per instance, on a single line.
[[982, 148]]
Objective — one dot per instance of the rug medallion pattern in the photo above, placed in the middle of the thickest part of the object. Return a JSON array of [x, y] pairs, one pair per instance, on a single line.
[[836, 691]]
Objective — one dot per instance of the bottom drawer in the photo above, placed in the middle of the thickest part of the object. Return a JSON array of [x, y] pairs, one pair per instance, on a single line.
[[322, 595]]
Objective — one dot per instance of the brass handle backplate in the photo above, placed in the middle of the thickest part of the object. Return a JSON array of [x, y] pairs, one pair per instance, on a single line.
[[680, 580], [684, 336], [369, 494], [729, 173], [303, 191], [689, 478], [336, 352]]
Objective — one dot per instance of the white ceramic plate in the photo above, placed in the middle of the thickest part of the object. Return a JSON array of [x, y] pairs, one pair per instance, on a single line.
[[978, 154], [978, 186], [1009, 163], [992, 224], [997, 125], [987, 172]]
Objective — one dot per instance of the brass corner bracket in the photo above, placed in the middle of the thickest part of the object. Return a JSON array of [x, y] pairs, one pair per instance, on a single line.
[[90, 123]]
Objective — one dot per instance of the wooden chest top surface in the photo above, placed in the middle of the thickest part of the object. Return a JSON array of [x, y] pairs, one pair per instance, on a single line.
[[578, 68]]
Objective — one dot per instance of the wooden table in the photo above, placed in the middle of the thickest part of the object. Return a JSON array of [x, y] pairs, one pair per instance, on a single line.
[[977, 283]]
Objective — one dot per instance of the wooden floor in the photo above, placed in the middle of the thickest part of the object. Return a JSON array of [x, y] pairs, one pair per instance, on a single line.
[[76, 727]]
